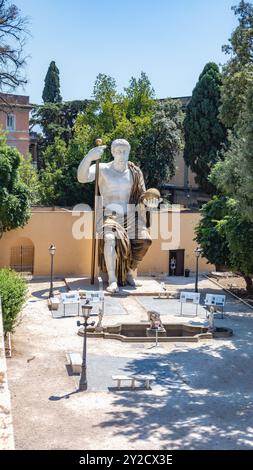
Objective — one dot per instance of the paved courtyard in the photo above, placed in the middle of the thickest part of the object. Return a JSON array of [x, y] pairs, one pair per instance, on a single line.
[[201, 399]]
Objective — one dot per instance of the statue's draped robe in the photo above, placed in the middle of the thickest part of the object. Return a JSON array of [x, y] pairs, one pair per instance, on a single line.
[[130, 248]]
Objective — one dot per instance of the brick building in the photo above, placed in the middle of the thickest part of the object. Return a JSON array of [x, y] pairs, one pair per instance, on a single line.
[[14, 120]]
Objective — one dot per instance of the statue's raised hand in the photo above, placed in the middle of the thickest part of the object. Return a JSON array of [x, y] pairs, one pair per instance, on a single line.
[[152, 198], [96, 153]]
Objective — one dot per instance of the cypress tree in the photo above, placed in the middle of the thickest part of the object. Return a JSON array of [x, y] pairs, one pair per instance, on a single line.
[[204, 132], [51, 92]]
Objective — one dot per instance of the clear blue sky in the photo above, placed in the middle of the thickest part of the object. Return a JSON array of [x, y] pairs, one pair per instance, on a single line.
[[170, 40]]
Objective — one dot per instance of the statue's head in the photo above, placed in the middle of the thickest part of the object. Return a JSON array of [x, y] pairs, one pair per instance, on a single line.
[[120, 151]]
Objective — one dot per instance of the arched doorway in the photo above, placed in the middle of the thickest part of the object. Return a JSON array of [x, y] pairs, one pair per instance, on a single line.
[[22, 256]]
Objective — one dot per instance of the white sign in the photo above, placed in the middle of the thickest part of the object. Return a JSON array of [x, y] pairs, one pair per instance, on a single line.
[[95, 296], [190, 297], [71, 297], [217, 300]]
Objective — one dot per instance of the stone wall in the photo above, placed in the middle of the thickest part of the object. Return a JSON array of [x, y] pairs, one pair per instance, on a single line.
[[73, 255], [6, 428]]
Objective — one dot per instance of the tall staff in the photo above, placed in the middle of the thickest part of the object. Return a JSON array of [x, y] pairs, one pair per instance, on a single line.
[[94, 234]]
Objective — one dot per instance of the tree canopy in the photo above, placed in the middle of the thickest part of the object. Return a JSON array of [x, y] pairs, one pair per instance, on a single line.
[[237, 73], [51, 92], [226, 237], [213, 243], [233, 175], [204, 132], [154, 130], [13, 34], [14, 194]]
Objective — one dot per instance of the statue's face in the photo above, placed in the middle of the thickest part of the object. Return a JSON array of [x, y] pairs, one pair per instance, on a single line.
[[120, 152]]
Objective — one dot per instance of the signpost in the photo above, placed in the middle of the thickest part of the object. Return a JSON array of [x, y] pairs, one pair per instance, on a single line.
[[216, 300], [189, 297]]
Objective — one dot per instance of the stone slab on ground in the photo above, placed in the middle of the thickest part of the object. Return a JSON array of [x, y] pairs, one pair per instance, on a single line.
[[172, 308]]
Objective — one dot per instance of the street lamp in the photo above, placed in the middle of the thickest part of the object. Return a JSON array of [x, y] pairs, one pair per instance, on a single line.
[[198, 252], [51, 250], [86, 314]]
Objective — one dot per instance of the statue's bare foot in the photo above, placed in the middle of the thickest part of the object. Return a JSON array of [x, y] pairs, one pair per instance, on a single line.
[[113, 287], [132, 281]]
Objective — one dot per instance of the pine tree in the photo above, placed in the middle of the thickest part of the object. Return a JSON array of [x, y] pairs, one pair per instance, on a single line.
[[204, 132], [51, 92]]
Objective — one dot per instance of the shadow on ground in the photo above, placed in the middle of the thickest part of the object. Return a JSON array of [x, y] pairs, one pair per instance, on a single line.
[[205, 398]]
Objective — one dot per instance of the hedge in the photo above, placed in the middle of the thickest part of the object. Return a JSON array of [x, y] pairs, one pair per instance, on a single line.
[[13, 291]]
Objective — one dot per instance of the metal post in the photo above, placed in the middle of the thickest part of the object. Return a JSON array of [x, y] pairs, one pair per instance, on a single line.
[[83, 385], [51, 293], [94, 226], [197, 274]]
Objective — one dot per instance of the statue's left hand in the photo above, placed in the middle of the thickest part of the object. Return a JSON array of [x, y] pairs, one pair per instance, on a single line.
[[152, 203], [152, 198]]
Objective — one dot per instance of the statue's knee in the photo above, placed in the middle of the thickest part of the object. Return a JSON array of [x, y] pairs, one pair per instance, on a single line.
[[109, 239]]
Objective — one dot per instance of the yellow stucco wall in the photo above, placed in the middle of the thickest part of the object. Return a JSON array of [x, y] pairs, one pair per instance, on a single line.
[[180, 167], [73, 256]]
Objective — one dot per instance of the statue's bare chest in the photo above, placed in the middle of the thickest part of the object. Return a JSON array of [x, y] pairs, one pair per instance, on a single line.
[[115, 184]]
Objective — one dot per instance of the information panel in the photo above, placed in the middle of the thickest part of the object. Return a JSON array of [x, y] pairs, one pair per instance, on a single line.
[[190, 297], [215, 299], [95, 296]]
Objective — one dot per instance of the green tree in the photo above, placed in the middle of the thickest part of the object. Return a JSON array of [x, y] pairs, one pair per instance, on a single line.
[[233, 175], [226, 237], [51, 92], [239, 234], [13, 34], [204, 133], [104, 89], [106, 110], [213, 243], [13, 291], [53, 174], [153, 131], [30, 177], [139, 96], [237, 72], [14, 194], [159, 142], [55, 120], [59, 185]]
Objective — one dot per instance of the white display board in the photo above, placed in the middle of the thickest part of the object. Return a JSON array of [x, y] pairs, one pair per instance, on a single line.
[[190, 297], [215, 299], [70, 297], [69, 305], [95, 296]]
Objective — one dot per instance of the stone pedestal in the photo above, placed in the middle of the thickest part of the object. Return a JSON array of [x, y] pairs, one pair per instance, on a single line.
[[152, 332]]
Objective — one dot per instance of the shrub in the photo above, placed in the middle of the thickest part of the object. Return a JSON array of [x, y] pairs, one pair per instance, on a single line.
[[13, 290]]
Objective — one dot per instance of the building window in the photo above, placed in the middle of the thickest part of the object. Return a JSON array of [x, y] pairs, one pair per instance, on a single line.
[[11, 122]]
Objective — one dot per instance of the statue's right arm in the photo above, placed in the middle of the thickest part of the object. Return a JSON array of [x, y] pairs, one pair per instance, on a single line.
[[86, 172]]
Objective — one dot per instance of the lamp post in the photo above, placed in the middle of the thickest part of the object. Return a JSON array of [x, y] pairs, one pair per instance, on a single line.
[[198, 252], [51, 250], [86, 314]]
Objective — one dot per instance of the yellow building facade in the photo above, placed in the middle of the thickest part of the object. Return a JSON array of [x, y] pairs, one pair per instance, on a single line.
[[27, 248]]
